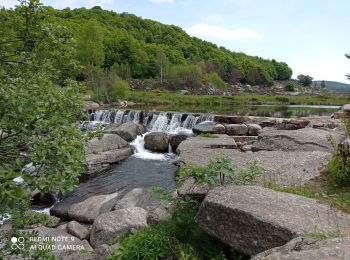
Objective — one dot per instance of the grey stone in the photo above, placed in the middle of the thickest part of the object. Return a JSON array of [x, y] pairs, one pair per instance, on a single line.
[[157, 141], [236, 129], [302, 248], [292, 124], [193, 190], [219, 129], [78, 230], [100, 162], [85, 211], [222, 119], [177, 139], [253, 219], [306, 139], [253, 129], [346, 108], [115, 223], [128, 131], [105, 250], [111, 128], [197, 143], [205, 127], [90, 105], [107, 143]]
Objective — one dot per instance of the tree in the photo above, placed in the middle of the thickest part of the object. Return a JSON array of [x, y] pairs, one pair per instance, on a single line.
[[305, 80], [38, 117], [323, 84], [90, 45], [162, 62]]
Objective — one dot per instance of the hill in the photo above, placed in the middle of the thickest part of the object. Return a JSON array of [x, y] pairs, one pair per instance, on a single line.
[[140, 47], [334, 86]]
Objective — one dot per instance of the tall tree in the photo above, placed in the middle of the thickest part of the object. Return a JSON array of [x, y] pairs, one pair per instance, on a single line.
[[348, 56]]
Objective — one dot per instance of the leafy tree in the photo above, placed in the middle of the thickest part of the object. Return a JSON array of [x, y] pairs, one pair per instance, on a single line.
[[305, 80], [37, 117], [323, 84], [90, 45]]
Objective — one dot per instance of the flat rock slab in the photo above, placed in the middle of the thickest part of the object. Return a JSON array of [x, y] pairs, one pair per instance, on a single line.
[[106, 143], [302, 248], [218, 141], [279, 167], [87, 210], [253, 219], [305, 139]]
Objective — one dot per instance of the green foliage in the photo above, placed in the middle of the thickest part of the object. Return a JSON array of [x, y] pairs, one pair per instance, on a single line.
[[29, 218], [161, 194], [40, 104], [186, 75], [215, 80], [180, 237], [218, 172], [289, 87], [143, 48], [305, 80], [321, 235], [107, 86], [339, 169]]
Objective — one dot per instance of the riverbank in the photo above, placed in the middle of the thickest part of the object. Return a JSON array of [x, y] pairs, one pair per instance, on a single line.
[[162, 98]]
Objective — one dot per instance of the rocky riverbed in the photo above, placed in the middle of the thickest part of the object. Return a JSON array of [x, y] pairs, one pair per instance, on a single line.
[[137, 153]]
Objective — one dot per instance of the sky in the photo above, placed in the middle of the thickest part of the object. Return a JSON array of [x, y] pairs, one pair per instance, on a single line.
[[310, 35]]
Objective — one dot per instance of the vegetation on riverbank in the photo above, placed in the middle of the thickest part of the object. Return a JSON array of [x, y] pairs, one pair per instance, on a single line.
[[164, 98]]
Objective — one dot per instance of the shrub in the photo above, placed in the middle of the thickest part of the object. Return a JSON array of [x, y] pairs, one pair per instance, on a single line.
[[305, 80], [289, 87], [218, 172], [180, 237], [215, 80], [29, 218]]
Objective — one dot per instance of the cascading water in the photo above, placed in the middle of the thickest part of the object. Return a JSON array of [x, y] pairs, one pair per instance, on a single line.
[[170, 122]]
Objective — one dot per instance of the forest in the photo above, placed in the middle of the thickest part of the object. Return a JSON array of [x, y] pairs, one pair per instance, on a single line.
[[113, 48]]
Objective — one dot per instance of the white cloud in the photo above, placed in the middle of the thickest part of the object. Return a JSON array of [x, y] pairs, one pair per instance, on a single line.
[[212, 31], [162, 1]]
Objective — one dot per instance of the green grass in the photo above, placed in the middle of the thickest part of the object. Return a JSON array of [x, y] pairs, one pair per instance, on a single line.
[[241, 99], [180, 238], [322, 190]]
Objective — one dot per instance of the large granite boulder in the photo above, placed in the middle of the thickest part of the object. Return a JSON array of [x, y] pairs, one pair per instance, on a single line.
[[107, 143], [102, 153], [177, 139], [302, 248], [157, 141], [100, 162], [115, 223], [306, 139], [346, 108], [205, 127], [86, 210], [128, 131], [253, 129], [253, 219], [111, 128]]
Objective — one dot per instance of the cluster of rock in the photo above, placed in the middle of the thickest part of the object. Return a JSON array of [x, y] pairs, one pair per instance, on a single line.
[[257, 221], [344, 112], [93, 222], [113, 147]]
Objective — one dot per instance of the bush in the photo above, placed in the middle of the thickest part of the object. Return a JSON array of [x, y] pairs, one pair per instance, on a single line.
[[29, 218], [218, 172], [289, 87], [215, 80], [305, 80], [180, 237]]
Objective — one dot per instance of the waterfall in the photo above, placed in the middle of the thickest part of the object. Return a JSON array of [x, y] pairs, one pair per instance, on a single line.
[[172, 122]]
